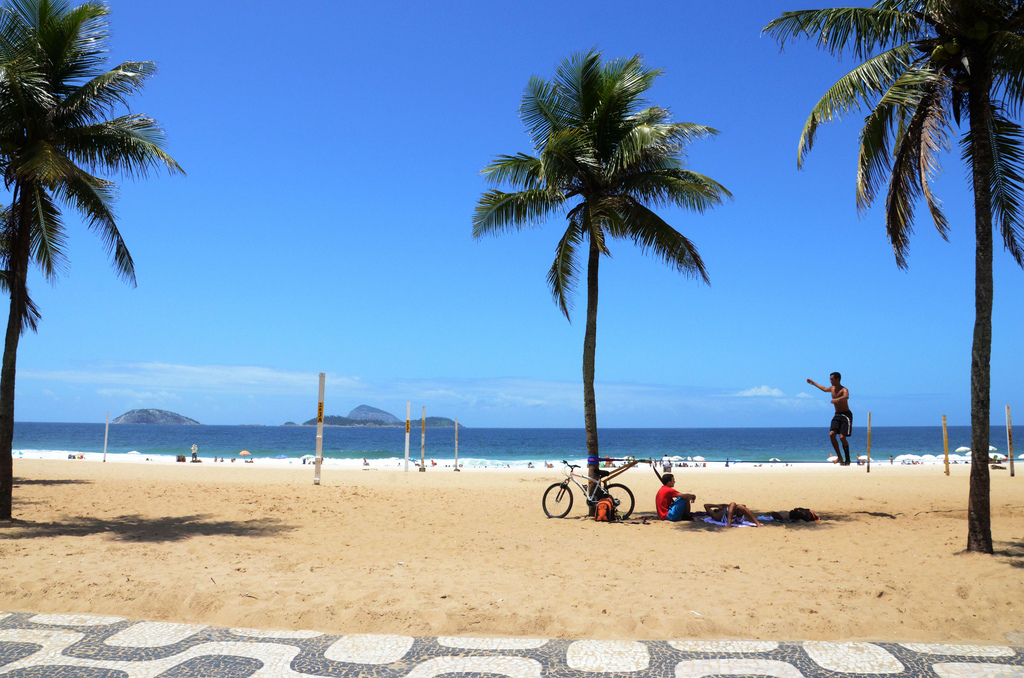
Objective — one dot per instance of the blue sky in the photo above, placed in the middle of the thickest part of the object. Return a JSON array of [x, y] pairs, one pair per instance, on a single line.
[[333, 152]]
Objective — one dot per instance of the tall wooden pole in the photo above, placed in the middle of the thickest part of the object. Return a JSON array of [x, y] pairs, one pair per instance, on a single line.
[[869, 442], [945, 442], [107, 430], [408, 409], [319, 433], [1009, 439], [457, 443], [423, 439]]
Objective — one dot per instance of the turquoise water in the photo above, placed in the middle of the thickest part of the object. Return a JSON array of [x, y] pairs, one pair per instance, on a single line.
[[485, 446]]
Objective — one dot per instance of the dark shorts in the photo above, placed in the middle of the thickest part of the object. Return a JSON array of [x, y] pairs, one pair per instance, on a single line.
[[843, 423]]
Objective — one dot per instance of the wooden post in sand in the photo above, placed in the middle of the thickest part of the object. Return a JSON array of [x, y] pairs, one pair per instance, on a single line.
[[423, 440], [1009, 439], [457, 442], [945, 442], [107, 430], [869, 442], [408, 406], [319, 433]]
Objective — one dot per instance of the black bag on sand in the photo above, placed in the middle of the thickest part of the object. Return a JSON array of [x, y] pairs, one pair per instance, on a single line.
[[803, 514]]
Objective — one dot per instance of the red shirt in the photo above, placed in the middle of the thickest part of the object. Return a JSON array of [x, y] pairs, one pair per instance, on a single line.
[[663, 502]]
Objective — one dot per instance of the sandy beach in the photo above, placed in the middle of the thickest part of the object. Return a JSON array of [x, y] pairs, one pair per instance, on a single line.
[[444, 553]]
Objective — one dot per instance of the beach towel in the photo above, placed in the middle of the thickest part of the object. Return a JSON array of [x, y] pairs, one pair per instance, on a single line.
[[739, 521]]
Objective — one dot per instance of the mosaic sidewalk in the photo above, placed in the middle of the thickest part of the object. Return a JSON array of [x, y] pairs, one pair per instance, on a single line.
[[86, 646]]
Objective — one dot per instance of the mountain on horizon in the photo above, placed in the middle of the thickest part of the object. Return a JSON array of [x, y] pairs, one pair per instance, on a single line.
[[367, 413], [151, 416]]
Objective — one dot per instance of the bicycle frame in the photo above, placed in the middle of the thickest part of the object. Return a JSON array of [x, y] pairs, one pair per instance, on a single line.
[[602, 482]]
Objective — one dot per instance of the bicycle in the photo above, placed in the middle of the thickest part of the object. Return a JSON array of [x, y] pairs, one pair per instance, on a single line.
[[557, 501]]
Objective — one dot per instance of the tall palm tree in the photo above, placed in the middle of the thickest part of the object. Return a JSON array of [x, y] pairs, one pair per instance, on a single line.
[[56, 132], [931, 67], [605, 161]]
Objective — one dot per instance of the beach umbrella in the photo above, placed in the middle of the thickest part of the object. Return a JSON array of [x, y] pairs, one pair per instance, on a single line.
[[281, 456], [698, 458], [1021, 456], [307, 456], [992, 449], [774, 459], [930, 457], [244, 453], [963, 449], [133, 451]]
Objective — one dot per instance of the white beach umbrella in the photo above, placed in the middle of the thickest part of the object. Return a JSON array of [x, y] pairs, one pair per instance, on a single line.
[[774, 459], [698, 458], [133, 451], [963, 449], [928, 457], [998, 457], [992, 449], [1021, 456], [907, 457]]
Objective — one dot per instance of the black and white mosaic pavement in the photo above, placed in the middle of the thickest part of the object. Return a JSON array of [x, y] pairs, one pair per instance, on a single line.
[[87, 646]]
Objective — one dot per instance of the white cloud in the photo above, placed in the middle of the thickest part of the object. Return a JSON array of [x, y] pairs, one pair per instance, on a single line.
[[762, 391]]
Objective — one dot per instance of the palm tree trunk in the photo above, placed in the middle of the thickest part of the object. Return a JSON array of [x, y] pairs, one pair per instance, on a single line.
[[979, 524], [17, 276], [589, 352]]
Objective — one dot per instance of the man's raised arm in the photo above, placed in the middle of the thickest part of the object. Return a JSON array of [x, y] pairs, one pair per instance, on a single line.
[[826, 389]]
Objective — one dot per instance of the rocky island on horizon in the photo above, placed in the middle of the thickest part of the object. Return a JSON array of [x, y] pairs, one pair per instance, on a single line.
[[366, 416], [151, 416]]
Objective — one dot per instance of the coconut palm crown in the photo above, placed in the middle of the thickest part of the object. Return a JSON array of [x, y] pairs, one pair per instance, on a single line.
[[932, 71], [605, 160], [57, 132]]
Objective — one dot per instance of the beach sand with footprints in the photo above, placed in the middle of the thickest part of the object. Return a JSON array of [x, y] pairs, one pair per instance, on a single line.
[[472, 553]]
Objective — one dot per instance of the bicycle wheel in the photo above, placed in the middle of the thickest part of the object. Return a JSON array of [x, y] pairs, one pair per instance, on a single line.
[[557, 500], [623, 497]]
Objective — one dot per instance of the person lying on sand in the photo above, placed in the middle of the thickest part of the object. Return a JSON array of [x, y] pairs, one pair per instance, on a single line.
[[726, 512]]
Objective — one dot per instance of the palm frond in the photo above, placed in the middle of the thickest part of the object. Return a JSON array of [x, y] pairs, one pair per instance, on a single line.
[[861, 30], [498, 212], [103, 93], [1007, 51], [539, 110], [1007, 185], [889, 119], [520, 170], [913, 163], [578, 81], [48, 235], [683, 188], [860, 86], [563, 275], [656, 238], [130, 144]]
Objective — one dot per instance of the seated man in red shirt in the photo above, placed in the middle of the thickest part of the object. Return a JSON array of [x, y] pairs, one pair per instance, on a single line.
[[668, 496]]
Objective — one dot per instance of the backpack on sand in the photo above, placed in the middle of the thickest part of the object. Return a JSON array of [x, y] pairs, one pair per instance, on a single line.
[[804, 514], [605, 511]]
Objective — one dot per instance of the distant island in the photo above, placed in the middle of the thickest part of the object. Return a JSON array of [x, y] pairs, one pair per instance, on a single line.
[[155, 417], [367, 416]]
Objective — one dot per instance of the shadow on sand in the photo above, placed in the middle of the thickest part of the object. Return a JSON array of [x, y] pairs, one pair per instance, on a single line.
[[43, 482], [134, 528]]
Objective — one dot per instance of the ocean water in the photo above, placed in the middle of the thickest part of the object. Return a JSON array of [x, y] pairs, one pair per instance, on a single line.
[[479, 447]]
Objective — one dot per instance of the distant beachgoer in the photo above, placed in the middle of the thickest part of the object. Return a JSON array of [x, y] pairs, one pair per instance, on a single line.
[[529, 464], [727, 512], [667, 495], [666, 464], [195, 451], [842, 421]]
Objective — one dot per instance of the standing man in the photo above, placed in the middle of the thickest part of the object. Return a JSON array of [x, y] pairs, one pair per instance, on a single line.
[[842, 421]]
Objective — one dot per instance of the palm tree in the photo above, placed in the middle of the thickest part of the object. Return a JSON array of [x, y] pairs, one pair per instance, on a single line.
[[928, 64], [604, 160], [56, 131]]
